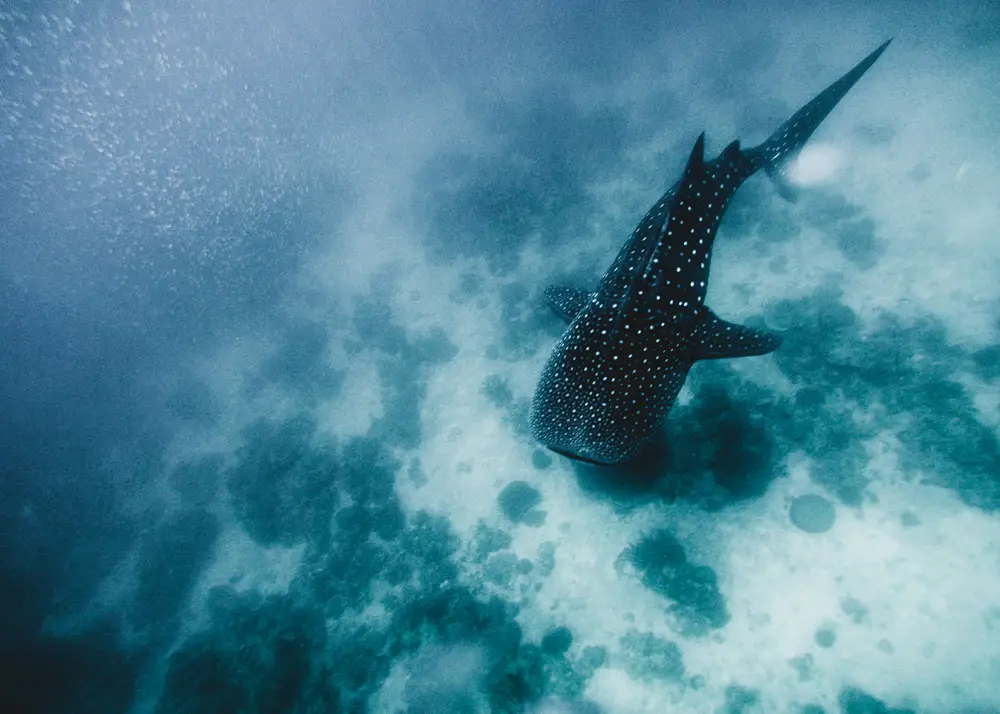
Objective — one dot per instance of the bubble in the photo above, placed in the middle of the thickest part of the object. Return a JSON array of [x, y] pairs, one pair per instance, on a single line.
[[815, 164]]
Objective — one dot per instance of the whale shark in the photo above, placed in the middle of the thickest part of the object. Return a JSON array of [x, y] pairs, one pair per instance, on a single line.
[[612, 377]]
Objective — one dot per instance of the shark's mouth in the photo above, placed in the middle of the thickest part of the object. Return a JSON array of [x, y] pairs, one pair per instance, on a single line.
[[577, 457]]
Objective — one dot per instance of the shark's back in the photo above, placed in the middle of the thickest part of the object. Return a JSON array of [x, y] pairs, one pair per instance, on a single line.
[[662, 270]]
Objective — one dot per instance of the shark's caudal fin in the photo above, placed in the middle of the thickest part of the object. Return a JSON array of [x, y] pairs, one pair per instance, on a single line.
[[566, 302], [784, 144], [717, 339]]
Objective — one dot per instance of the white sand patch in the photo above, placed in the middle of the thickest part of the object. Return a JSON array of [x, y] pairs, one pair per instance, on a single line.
[[467, 454], [356, 406], [613, 689], [435, 679]]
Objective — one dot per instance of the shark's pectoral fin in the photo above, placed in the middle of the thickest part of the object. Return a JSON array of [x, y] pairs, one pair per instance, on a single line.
[[717, 339], [566, 302]]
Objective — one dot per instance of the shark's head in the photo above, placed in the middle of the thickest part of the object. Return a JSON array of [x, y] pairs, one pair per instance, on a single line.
[[607, 388]]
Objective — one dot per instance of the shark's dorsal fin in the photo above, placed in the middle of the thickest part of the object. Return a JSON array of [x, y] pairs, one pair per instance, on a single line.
[[717, 339], [731, 153], [566, 302]]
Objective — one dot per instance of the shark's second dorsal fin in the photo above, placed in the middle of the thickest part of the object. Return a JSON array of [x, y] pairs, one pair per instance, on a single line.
[[696, 161], [566, 302], [717, 339]]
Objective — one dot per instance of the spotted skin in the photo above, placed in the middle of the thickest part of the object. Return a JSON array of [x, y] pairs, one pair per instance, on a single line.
[[617, 369]]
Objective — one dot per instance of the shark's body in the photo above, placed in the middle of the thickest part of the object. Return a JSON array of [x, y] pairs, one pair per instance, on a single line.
[[617, 369]]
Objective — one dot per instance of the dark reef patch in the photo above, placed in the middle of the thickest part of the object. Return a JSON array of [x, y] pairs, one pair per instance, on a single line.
[[722, 432], [740, 699], [812, 513], [497, 391], [557, 640], [854, 609], [648, 657], [488, 540], [260, 655], [693, 590], [402, 362], [197, 482], [825, 637], [171, 558], [518, 502], [853, 232], [409, 566], [987, 361], [858, 701], [368, 474], [804, 666], [541, 460], [500, 569], [283, 489], [371, 539], [875, 134], [299, 364], [899, 376]]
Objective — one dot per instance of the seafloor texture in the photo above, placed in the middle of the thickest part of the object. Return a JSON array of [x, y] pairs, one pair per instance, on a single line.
[[272, 320]]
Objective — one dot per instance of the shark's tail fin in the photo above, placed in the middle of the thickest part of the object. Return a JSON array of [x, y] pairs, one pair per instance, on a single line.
[[784, 144]]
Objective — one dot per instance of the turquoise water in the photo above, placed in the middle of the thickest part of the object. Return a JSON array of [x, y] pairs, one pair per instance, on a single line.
[[273, 317]]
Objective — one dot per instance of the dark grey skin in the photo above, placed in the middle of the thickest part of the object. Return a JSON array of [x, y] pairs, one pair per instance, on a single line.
[[614, 374]]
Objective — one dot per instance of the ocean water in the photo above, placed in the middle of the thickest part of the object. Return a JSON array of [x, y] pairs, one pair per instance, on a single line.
[[271, 318]]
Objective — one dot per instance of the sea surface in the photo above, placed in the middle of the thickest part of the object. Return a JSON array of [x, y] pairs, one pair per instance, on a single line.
[[271, 318]]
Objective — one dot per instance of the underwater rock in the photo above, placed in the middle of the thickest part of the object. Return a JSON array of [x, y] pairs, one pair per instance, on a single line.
[[693, 590], [518, 500], [825, 637], [646, 657], [812, 513], [557, 641], [540, 460], [740, 699]]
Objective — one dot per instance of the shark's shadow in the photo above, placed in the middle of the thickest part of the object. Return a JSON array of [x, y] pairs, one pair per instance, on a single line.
[[644, 479], [714, 451]]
